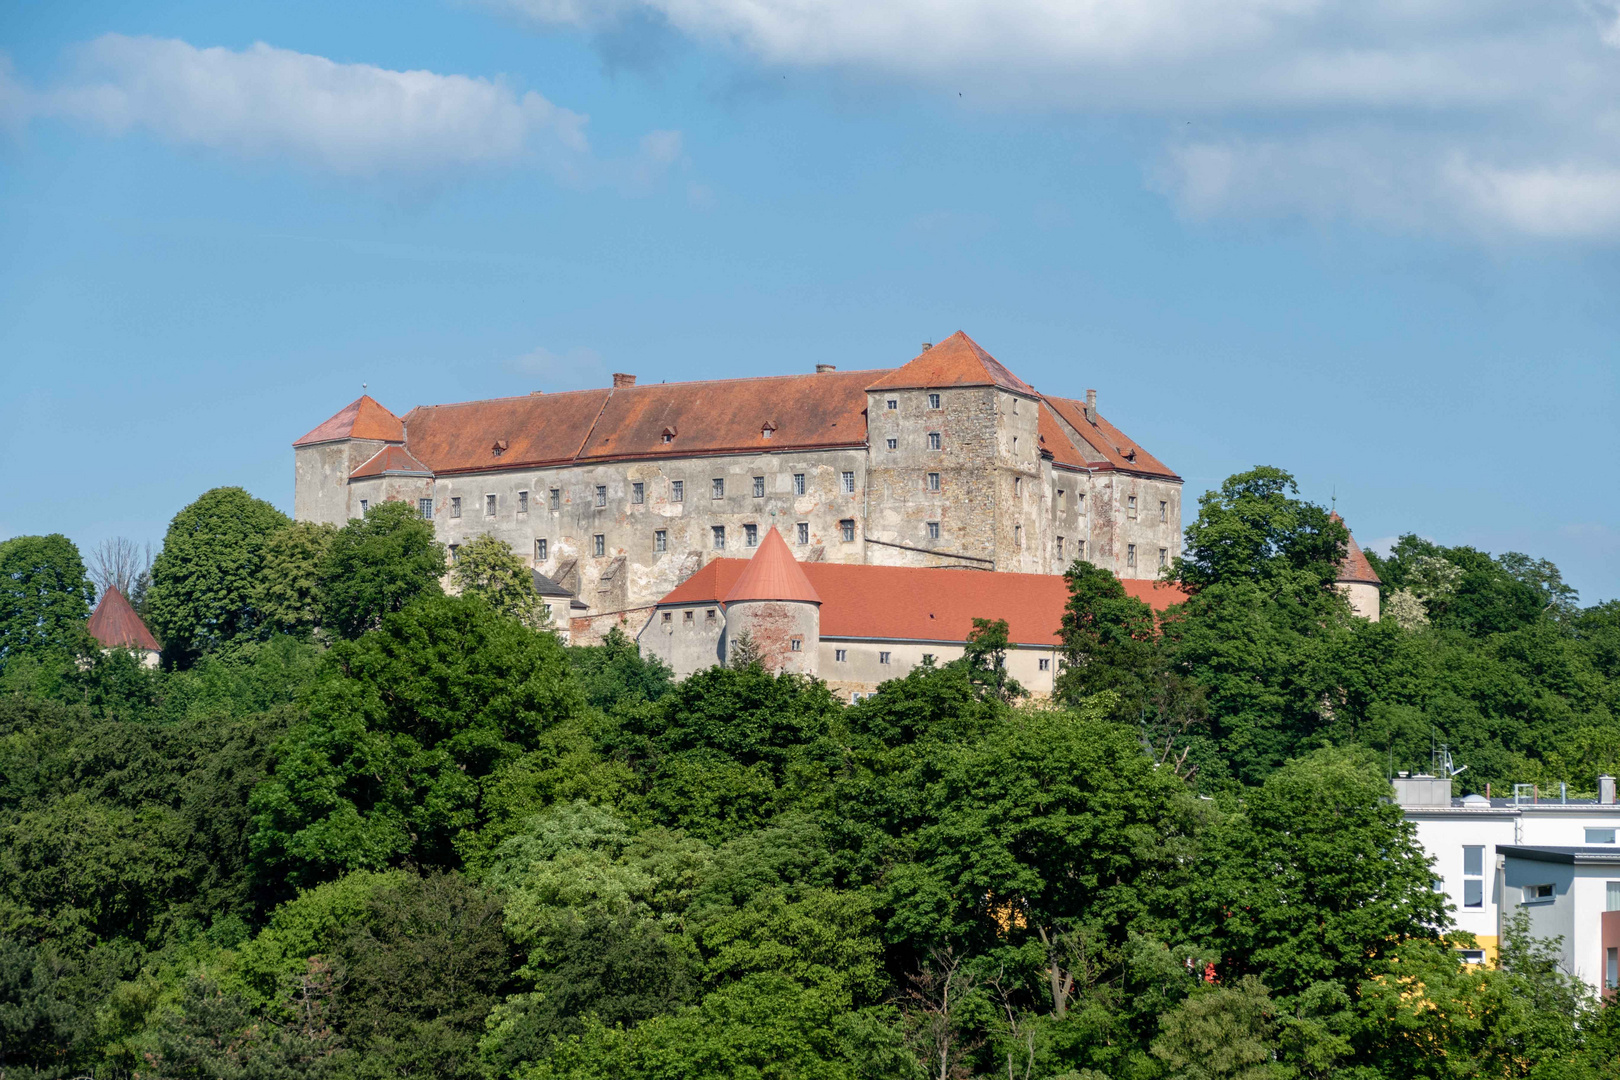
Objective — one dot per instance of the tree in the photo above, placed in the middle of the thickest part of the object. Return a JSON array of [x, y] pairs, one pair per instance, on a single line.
[[1220, 1032], [986, 659], [742, 653], [288, 594], [120, 563], [376, 565], [1255, 529], [44, 596], [1109, 641], [487, 568], [206, 579]]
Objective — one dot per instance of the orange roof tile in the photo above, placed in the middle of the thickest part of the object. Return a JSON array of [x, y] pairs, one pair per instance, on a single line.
[[906, 603], [362, 418], [116, 626], [390, 461], [1354, 567], [772, 574], [1108, 446], [956, 361]]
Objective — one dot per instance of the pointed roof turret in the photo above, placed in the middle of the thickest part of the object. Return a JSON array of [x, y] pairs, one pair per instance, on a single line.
[[956, 361], [116, 626], [1355, 567], [773, 574], [362, 418]]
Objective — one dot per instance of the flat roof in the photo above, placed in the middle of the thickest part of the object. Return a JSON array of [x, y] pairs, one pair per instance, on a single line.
[[1568, 856]]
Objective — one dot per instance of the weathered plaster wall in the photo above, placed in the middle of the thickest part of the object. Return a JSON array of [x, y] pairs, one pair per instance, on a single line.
[[862, 670], [321, 479], [773, 626], [688, 639], [1363, 597]]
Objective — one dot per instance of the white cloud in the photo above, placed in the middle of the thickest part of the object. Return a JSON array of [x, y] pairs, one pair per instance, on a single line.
[[1492, 116], [264, 102]]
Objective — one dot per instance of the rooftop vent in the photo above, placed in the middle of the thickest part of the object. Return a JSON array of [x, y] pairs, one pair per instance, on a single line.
[[822, 369], [927, 345], [621, 379], [768, 430], [499, 448], [1606, 789]]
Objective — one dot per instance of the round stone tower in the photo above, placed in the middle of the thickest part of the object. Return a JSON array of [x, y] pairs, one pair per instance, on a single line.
[[1358, 580], [774, 604]]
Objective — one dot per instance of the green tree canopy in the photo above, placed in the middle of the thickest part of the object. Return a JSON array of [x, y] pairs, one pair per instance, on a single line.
[[1255, 529], [206, 580], [45, 596], [487, 568], [376, 565], [288, 595]]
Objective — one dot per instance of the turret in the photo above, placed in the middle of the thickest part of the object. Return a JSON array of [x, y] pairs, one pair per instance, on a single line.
[[1357, 580], [774, 604]]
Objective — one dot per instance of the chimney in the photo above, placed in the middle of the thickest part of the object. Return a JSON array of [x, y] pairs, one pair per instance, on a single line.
[[927, 345], [1091, 405], [621, 379], [822, 369], [1606, 789]]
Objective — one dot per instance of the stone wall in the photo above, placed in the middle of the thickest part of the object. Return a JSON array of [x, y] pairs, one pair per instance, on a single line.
[[774, 627], [321, 489]]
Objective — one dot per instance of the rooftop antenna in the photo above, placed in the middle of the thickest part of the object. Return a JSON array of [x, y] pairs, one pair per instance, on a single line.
[[1335, 498]]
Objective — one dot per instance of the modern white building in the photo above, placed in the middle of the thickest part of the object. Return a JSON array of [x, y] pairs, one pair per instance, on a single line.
[[1556, 857]]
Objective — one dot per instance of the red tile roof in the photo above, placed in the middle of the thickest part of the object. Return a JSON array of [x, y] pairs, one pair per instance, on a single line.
[[115, 625], [772, 574], [390, 461], [956, 361], [362, 418], [1355, 568], [1107, 445], [905, 603]]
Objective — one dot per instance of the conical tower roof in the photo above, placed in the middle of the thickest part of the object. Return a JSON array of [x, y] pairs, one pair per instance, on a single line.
[[116, 626], [362, 418], [773, 574], [956, 361], [1355, 568]]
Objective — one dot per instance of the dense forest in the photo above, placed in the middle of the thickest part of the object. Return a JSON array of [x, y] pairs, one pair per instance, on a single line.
[[368, 821]]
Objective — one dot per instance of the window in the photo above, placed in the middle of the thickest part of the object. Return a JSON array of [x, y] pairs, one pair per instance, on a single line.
[[523, 502], [767, 431], [717, 488], [1080, 502], [1611, 968], [1164, 511], [489, 506], [928, 658], [669, 436], [1600, 836], [541, 550], [840, 655], [601, 494], [883, 658], [933, 530], [751, 535], [1130, 506], [1060, 547], [798, 483], [933, 481], [759, 487], [668, 616], [1079, 549], [892, 404], [455, 507], [1612, 896], [1164, 557], [803, 534], [365, 504], [1536, 894], [1130, 554], [1472, 956], [719, 537], [1018, 485], [1473, 876], [455, 553], [660, 540], [1046, 663], [849, 483], [1018, 537], [1015, 446], [933, 401], [933, 440], [688, 615], [796, 644], [425, 508], [677, 491], [638, 492], [708, 616], [894, 444], [599, 544], [556, 498], [848, 527]]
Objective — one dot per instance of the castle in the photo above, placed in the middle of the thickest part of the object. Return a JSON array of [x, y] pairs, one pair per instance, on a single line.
[[621, 494]]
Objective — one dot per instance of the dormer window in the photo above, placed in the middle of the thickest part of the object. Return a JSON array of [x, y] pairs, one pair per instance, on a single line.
[[768, 430], [669, 434], [499, 448]]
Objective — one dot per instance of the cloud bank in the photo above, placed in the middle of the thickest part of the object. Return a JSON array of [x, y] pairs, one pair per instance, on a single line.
[[1492, 116]]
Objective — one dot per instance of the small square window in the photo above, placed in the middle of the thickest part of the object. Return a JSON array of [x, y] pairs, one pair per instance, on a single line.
[[1130, 554], [1472, 956], [933, 481], [1164, 511], [688, 615], [1600, 836], [668, 616], [798, 483], [933, 440], [660, 540], [803, 534], [1536, 893], [1046, 663], [894, 444], [601, 494], [677, 491], [751, 535], [883, 658], [848, 528], [759, 487], [795, 644], [523, 502], [425, 508], [541, 550], [719, 537], [1060, 495], [669, 436], [455, 506], [892, 404], [489, 506], [840, 655], [638, 492], [599, 543], [708, 616], [933, 530], [849, 483], [556, 498], [365, 504], [933, 401], [1130, 506], [717, 488]]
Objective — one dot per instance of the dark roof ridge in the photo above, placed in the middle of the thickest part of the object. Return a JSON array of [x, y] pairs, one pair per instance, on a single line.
[[653, 386]]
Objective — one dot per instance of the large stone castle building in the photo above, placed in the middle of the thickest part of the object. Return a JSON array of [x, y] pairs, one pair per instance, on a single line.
[[623, 493]]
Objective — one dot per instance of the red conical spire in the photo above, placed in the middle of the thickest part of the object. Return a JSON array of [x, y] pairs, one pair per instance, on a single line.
[[773, 574], [1355, 566], [115, 625]]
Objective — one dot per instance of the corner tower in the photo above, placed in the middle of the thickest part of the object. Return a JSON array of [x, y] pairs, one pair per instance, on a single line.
[[777, 607], [324, 459], [1358, 580]]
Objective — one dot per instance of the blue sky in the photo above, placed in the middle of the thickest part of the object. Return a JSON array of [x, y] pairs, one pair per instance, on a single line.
[[1375, 245]]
